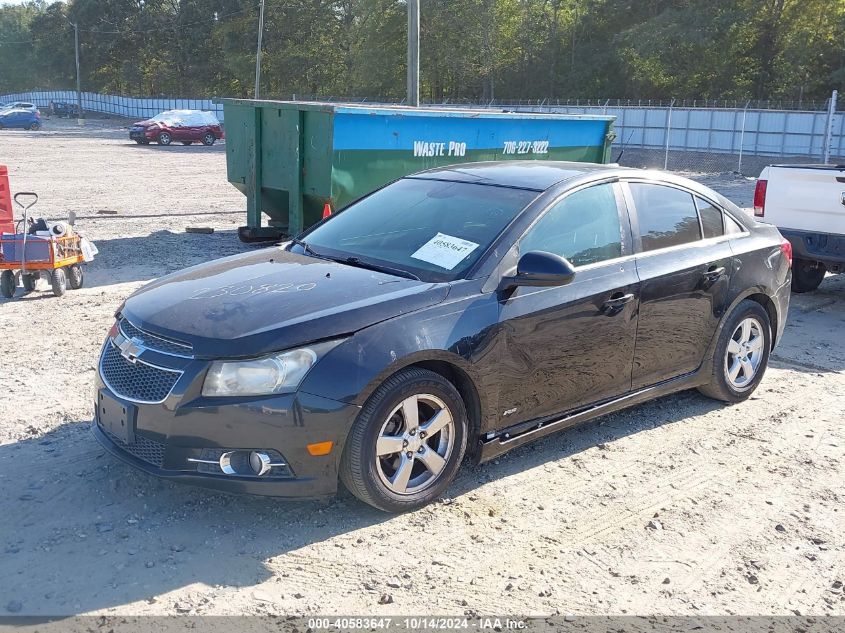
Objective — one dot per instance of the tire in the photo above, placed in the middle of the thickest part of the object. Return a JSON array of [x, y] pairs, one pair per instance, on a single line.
[[743, 347], [807, 275], [59, 282], [186, 142], [29, 281], [164, 138], [208, 138], [377, 480], [7, 284], [75, 278], [139, 142]]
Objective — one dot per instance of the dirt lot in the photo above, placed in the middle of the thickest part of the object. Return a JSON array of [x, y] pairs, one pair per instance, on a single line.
[[680, 506]]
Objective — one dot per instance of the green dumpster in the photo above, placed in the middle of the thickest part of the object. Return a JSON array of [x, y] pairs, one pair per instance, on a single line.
[[291, 158]]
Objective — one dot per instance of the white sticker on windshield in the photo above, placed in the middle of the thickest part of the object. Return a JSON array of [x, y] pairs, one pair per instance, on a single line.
[[444, 251]]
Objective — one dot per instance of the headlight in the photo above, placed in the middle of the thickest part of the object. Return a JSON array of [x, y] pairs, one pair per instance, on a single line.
[[279, 373]]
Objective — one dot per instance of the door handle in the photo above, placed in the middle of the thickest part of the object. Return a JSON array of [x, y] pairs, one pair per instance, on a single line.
[[714, 274], [616, 303]]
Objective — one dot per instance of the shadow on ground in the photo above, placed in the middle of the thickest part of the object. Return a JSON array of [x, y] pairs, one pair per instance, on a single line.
[[812, 341], [82, 531]]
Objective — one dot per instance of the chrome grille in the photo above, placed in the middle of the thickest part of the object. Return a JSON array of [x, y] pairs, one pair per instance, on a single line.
[[153, 342], [135, 381], [143, 448]]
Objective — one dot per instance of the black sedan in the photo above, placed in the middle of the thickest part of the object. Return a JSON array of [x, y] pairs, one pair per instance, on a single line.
[[461, 311]]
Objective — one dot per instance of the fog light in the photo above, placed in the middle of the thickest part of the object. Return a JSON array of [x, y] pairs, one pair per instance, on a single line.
[[260, 463], [264, 462], [226, 463]]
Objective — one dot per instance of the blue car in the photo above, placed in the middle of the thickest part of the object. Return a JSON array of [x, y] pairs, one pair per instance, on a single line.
[[25, 119]]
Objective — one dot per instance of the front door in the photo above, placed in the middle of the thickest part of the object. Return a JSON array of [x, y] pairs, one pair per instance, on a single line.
[[564, 347], [684, 266]]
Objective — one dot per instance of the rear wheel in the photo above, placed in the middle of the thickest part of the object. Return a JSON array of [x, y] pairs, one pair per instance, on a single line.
[[59, 282], [7, 284], [29, 281], [742, 354], [407, 444], [807, 275], [75, 277], [164, 138], [35, 127], [208, 138]]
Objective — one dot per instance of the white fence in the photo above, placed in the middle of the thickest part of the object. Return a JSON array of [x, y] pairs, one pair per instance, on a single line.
[[113, 104], [724, 133], [729, 131]]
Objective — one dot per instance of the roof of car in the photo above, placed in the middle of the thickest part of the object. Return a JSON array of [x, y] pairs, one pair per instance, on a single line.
[[526, 174]]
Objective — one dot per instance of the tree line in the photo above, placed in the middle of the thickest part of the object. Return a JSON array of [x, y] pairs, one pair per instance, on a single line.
[[471, 50]]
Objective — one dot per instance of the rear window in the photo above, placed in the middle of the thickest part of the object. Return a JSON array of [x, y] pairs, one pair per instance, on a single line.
[[667, 216]]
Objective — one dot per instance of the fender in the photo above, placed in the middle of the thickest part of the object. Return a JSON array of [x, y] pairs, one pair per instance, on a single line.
[[455, 333]]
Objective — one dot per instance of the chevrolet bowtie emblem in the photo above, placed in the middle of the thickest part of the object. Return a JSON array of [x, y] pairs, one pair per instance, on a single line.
[[131, 349]]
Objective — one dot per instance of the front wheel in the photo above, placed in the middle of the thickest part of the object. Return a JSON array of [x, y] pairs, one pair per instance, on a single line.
[[75, 278], [742, 354], [59, 281], [35, 127], [807, 275], [7, 284], [164, 138], [407, 444], [208, 138]]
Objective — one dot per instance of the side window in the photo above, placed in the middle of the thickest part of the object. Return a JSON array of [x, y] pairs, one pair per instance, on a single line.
[[667, 216], [732, 226], [584, 228], [711, 219]]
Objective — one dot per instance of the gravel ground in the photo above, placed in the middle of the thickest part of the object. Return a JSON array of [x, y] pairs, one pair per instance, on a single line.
[[679, 506]]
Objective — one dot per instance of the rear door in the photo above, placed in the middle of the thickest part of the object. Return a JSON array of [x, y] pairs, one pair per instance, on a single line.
[[684, 263], [564, 347]]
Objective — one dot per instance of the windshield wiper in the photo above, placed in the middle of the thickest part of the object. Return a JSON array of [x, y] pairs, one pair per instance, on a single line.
[[306, 247], [354, 261]]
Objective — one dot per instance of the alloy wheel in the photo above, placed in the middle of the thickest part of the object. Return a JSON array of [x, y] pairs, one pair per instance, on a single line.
[[745, 353], [415, 444]]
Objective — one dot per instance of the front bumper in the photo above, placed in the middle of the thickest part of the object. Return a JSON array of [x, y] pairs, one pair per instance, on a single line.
[[142, 134], [186, 426]]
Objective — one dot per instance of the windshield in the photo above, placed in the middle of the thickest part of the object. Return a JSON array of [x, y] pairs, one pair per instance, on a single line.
[[432, 229]]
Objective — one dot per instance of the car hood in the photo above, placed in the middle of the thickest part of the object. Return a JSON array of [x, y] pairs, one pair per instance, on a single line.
[[146, 123], [252, 304]]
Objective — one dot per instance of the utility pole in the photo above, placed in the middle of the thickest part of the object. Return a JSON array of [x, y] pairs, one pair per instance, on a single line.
[[78, 81], [414, 53], [258, 51], [828, 139]]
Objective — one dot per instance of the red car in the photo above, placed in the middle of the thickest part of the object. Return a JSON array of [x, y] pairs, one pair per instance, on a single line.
[[185, 126]]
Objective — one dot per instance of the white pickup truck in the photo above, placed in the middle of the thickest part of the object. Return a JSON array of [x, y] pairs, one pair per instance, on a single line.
[[807, 204]]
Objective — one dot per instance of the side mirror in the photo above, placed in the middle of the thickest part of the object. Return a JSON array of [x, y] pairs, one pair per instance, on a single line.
[[538, 268]]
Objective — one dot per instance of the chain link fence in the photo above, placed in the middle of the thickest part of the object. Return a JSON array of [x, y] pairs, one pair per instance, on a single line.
[[679, 135], [716, 139]]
